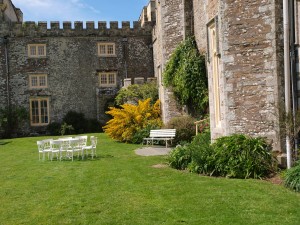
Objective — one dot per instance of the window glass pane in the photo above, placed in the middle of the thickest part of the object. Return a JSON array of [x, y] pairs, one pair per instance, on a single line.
[[41, 50], [110, 49], [111, 78], [102, 49], [42, 81], [44, 111], [103, 79], [32, 50], [35, 112], [34, 82]]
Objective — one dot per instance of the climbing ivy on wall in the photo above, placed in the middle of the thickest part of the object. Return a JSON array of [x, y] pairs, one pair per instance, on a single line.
[[185, 72]]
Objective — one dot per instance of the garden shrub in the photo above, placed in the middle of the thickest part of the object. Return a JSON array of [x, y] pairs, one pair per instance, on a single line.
[[77, 120], [203, 157], [80, 124], [93, 126], [54, 128], [292, 177], [66, 129], [141, 133], [11, 120], [236, 156], [133, 93], [180, 157], [194, 156], [240, 156], [185, 128], [129, 119]]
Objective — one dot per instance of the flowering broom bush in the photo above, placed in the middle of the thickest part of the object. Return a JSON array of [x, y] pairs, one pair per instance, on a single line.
[[130, 119]]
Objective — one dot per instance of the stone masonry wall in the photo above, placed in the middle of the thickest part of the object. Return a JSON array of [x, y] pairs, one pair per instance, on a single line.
[[204, 11], [169, 32], [3, 77], [251, 68], [72, 64], [250, 65], [9, 12]]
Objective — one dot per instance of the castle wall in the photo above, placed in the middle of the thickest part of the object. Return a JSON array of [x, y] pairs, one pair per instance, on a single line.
[[251, 69], [249, 65], [170, 30], [9, 12], [72, 64], [203, 12], [3, 77]]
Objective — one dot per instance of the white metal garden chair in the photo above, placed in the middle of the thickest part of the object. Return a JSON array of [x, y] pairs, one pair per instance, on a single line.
[[91, 147], [75, 146], [65, 145], [82, 140], [47, 147], [55, 146], [40, 145]]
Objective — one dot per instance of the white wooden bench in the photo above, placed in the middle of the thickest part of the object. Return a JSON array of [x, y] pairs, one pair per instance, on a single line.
[[160, 135]]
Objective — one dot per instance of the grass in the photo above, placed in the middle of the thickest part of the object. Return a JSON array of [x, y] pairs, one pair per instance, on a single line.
[[119, 187]]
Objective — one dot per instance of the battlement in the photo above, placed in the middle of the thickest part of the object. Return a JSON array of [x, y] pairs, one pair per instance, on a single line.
[[30, 28]]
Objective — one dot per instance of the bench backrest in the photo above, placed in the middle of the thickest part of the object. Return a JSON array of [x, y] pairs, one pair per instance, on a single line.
[[163, 133]]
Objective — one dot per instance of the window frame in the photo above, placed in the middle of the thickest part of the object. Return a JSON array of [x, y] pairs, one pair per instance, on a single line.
[[39, 113], [106, 45], [107, 78], [39, 76], [36, 46]]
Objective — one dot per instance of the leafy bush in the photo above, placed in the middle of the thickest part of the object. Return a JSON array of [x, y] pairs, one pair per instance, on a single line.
[[76, 120], [203, 157], [134, 93], [236, 156], [129, 119], [54, 128], [185, 128], [194, 156], [292, 177], [93, 126], [66, 129], [240, 156], [180, 157], [141, 133], [11, 120], [185, 72]]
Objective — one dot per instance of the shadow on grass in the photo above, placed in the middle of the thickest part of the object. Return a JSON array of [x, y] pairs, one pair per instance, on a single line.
[[85, 159], [4, 142]]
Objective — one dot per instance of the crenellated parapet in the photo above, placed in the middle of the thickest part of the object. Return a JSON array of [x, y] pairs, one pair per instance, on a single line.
[[29, 28]]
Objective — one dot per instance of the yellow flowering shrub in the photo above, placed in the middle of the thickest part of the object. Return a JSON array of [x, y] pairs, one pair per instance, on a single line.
[[129, 119]]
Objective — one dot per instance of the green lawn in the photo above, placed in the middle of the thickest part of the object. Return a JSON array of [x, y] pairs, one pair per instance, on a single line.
[[120, 187]]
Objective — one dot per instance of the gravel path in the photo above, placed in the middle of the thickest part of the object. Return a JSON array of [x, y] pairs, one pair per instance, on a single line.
[[152, 151]]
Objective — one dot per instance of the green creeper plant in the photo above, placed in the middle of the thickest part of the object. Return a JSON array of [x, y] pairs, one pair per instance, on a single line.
[[185, 73]]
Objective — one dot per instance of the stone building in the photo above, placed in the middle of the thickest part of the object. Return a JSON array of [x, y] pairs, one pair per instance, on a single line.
[[244, 49], [243, 41], [51, 71]]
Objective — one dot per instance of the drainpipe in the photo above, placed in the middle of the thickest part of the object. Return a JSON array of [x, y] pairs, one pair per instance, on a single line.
[[125, 40], [293, 70], [5, 41], [287, 81]]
